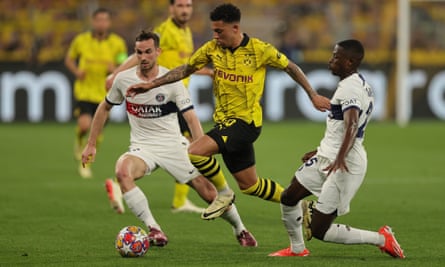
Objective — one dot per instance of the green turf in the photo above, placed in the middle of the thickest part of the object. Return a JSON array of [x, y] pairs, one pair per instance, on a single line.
[[51, 217]]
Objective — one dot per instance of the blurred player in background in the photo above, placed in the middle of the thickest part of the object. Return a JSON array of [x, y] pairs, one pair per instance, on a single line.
[[156, 140], [335, 171], [177, 47], [92, 55], [239, 63]]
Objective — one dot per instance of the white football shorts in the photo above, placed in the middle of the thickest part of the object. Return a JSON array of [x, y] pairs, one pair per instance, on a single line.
[[335, 191], [173, 158]]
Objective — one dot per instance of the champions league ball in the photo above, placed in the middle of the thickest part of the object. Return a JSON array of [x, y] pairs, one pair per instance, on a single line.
[[132, 241]]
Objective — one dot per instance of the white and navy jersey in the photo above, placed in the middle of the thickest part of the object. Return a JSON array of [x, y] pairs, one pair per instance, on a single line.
[[152, 115], [352, 92]]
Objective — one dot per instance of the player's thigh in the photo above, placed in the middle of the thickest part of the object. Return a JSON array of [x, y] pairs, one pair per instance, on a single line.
[[204, 146]]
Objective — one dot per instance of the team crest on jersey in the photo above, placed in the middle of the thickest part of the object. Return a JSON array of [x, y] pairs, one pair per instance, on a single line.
[[160, 97], [247, 60]]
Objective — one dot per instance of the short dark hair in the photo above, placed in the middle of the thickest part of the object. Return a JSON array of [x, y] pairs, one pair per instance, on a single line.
[[227, 13], [354, 47], [101, 10], [147, 35]]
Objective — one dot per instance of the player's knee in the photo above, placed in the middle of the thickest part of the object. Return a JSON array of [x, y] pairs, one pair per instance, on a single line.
[[84, 123], [288, 199]]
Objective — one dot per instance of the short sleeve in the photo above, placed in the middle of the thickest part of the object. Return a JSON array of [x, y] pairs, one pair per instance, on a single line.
[[348, 95], [274, 58], [115, 95], [73, 50], [183, 100], [200, 58]]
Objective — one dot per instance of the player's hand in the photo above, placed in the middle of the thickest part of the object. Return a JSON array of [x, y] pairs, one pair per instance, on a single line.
[[336, 165], [88, 155], [308, 155], [321, 103], [138, 89]]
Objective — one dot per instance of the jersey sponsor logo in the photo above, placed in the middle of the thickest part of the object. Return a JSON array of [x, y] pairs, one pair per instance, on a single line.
[[151, 111], [233, 77], [350, 102]]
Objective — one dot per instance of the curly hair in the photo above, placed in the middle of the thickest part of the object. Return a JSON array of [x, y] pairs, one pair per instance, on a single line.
[[227, 13]]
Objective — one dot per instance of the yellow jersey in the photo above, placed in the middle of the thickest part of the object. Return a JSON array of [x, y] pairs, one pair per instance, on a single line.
[[94, 57], [176, 44], [239, 76]]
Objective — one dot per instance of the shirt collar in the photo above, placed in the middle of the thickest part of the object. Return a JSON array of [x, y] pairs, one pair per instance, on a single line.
[[243, 43]]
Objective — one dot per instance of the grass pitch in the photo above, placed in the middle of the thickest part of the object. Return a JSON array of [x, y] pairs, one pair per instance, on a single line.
[[49, 216]]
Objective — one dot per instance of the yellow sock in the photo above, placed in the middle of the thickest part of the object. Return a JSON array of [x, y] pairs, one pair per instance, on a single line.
[[180, 195], [265, 189], [209, 168]]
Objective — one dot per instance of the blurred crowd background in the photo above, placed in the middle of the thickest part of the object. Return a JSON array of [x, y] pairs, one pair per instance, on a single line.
[[39, 31]]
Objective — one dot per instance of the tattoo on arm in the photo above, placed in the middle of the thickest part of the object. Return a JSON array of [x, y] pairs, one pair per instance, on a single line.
[[298, 75], [175, 74]]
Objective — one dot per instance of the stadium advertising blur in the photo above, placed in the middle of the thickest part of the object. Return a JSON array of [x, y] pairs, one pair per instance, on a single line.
[[45, 94]]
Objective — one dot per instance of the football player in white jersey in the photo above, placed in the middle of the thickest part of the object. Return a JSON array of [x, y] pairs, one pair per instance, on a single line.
[[155, 139], [335, 171]]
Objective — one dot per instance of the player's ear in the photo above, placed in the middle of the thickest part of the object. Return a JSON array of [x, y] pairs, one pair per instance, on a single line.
[[235, 27]]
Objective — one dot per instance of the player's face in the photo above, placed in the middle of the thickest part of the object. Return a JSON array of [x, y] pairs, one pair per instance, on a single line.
[[339, 62], [147, 54], [101, 22], [224, 33], [181, 11]]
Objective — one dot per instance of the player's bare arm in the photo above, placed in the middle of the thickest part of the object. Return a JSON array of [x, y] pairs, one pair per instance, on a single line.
[[320, 102], [350, 118], [70, 63], [193, 123], [101, 115], [173, 75], [131, 61]]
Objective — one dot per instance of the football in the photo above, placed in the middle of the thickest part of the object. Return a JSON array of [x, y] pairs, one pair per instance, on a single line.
[[132, 241]]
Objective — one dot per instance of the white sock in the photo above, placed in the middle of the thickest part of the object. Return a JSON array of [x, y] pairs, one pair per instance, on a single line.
[[292, 217], [225, 190], [232, 216], [138, 204], [343, 234]]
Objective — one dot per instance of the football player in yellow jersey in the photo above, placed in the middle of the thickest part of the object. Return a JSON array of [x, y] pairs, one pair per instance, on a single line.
[[92, 55], [239, 63], [176, 43]]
